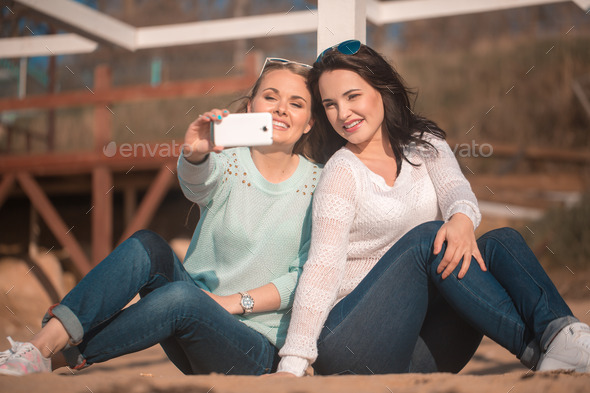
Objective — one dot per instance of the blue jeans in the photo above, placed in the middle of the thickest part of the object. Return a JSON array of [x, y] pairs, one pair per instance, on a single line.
[[398, 318], [197, 334]]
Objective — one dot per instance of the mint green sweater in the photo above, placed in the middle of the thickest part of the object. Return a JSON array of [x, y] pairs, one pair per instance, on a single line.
[[251, 232]]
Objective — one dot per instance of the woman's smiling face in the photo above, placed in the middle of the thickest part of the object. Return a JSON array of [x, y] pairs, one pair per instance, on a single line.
[[353, 107], [285, 95]]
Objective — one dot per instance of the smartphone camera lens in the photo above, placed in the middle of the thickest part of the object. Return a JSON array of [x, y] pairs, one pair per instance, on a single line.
[[265, 128]]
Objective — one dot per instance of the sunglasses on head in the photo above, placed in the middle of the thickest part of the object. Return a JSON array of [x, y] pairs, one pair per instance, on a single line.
[[348, 47], [278, 60]]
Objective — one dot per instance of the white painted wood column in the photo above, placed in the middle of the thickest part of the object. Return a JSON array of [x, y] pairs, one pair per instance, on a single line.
[[341, 20]]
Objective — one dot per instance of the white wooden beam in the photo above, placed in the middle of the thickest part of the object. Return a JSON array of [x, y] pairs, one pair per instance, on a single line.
[[227, 29], [87, 19], [335, 21], [339, 21], [45, 45], [385, 12], [583, 4]]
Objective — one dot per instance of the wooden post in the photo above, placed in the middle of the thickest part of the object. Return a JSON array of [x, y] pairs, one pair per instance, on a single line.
[[6, 186], [9, 138], [102, 116], [34, 231], [51, 90], [102, 177], [53, 220], [102, 213]]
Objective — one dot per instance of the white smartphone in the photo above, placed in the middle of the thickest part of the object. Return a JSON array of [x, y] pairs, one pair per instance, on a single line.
[[243, 129]]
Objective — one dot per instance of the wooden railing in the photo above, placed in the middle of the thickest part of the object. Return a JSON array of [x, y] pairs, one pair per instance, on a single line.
[[25, 169]]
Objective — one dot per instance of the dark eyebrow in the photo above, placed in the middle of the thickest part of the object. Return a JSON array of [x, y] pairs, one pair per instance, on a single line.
[[350, 91], [277, 92], [299, 98], [343, 94]]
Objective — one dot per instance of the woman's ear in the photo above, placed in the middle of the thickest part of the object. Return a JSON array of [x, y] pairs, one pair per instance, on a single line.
[[249, 106], [309, 125]]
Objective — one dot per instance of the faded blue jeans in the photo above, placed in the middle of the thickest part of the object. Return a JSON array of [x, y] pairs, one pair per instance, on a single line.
[[197, 334], [398, 318]]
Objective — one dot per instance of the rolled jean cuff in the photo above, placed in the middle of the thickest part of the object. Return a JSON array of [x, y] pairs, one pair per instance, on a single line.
[[532, 353], [69, 320], [555, 327], [74, 358]]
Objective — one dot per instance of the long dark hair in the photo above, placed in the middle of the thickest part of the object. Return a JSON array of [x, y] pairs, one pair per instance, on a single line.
[[401, 124], [306, 146]]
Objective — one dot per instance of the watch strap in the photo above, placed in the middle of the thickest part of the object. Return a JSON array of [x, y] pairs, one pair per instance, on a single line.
[[246, 299]]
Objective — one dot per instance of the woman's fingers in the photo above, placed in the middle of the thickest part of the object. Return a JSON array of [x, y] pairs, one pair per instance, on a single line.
[[215, 115], [452, 265], [465, 266], [448, 261], [448, 265], [198, 136], [278, 375], [461, 247], [479, 259], [454, 254], [439, 240]]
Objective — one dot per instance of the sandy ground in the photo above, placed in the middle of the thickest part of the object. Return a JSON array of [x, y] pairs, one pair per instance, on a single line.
[[493, 369]]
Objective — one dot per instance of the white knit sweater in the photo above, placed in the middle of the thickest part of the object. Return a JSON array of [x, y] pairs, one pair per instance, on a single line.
[[356, 219]]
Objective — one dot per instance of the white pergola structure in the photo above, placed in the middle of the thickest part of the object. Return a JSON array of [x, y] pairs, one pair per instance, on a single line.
[[334, 21]]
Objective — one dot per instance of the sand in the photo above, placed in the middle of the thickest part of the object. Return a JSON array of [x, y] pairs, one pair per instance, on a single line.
[[492, 369]]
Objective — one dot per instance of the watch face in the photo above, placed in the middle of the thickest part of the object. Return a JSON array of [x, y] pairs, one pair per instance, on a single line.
[[247, 302]]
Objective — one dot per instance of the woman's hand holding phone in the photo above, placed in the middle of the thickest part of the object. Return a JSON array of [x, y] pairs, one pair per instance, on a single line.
[[197, 140]]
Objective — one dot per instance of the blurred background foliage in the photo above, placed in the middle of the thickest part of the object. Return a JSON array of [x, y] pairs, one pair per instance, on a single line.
[[565, 232]]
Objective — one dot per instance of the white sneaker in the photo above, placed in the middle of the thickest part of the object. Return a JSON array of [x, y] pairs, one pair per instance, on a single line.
[[569, 350], [23, 359], [4, 355]]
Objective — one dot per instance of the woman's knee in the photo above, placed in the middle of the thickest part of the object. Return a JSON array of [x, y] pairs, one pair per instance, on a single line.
[[177, 305], [430, 227], [181, 295], [426, 233], [159, 252], [505, 234], [181, 291], [148, 239]]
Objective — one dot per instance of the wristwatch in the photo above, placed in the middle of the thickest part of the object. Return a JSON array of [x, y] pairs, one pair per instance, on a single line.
[[247, 302]]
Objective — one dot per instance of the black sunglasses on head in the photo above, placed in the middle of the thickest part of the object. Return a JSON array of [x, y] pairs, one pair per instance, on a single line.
[[348, 47]]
